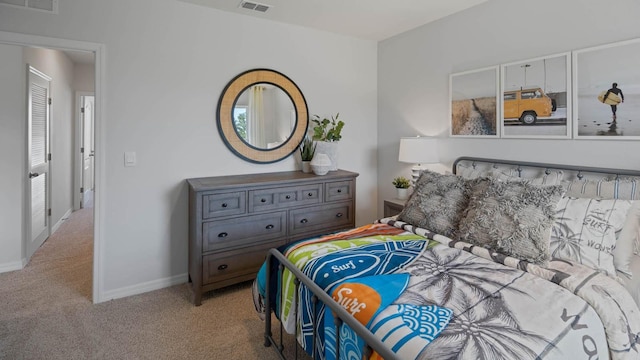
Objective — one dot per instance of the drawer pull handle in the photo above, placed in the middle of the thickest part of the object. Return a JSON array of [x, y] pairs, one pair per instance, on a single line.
[[224, 205], [223, 267], [288, 197], [269, 227], [304, 221], [339, 191], [310, 194], [222, 235], [263, 200], [339, 215]]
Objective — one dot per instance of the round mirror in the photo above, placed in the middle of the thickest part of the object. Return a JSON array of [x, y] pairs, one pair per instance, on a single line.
[[262, 116]]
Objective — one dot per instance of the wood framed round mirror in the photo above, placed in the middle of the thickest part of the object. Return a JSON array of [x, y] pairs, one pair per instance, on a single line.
[[262, 116]]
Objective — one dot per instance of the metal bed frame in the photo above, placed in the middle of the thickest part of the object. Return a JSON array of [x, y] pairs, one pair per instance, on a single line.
[[520, 165], [341, 315]]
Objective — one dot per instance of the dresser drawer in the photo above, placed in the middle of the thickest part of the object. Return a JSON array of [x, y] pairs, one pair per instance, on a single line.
[[240, 231], [320, 218], [232, 264], [278, 198], [339, 190], [225, 204]]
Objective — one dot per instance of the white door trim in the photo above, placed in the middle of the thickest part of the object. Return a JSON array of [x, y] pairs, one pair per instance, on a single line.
[[100, 133]]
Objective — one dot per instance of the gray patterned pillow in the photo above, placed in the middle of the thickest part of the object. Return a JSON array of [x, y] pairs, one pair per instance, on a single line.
[[437, 202], [513, 218]]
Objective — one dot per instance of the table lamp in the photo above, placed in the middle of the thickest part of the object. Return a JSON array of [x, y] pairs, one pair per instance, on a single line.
[[418, 150]]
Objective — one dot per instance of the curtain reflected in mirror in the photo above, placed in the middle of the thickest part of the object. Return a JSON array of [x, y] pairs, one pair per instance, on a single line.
[[264, 116]]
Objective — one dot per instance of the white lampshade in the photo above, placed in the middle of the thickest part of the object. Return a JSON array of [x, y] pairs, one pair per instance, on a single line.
[[418, 150]]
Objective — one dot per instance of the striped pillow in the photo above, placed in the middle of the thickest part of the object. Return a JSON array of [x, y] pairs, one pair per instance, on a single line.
[[623, 189]]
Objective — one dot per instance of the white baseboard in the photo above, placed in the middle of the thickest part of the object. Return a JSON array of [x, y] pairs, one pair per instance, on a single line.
[[62, 219], [11, 266], [143, 287]]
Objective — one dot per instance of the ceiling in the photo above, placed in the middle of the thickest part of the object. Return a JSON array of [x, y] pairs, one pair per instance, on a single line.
[[365, 19]]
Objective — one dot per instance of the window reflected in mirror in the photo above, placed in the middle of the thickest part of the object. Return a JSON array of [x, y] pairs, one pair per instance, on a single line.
[[264, 116]]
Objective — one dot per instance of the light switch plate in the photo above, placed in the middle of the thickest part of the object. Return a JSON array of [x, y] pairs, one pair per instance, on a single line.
[[130, 158]]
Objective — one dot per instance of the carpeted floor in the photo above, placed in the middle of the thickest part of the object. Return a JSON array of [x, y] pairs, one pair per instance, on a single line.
[[46, 312]]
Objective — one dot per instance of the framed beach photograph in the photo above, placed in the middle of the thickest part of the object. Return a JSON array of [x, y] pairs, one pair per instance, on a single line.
[[607, 91], [474, 103], [536, 98]]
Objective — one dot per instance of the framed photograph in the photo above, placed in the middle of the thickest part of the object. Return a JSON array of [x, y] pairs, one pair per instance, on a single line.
[[474, 103], [536, 98], [607, 91]]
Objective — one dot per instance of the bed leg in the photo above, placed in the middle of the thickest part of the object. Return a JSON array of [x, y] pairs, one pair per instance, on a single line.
[[295, 316], [314, 302], [338, 322], [267, 315]]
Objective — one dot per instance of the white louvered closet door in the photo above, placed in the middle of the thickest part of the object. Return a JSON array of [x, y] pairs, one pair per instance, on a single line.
[[38, 117]]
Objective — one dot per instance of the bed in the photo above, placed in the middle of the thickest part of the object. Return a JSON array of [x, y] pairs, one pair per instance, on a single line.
[[499, 260]]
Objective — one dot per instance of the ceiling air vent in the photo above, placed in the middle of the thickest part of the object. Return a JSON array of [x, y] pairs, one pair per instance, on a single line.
[[50, 6], [254, 6]]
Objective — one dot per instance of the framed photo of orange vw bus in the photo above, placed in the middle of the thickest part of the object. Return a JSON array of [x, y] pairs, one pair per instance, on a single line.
[[536, 101], [607, 91]]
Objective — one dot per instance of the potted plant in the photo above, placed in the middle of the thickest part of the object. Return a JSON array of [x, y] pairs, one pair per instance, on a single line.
[[326, 133], [307, 150], [402, 187]]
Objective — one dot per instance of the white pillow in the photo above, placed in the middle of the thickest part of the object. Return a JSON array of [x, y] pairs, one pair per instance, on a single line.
[[585, 231], [471, 172], [552, 178], [633, 284]]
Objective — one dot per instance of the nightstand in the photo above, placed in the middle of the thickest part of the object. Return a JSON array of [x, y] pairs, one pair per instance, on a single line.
[[393, 207]]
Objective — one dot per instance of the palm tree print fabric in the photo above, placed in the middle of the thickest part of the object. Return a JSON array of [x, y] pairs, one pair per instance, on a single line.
[[585, 231], [506, 308]]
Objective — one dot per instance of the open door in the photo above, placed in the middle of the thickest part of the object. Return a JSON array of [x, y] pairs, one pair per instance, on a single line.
[[87, 149], [39, 187]]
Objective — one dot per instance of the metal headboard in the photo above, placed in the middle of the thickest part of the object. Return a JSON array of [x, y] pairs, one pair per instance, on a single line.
[[547, 166]]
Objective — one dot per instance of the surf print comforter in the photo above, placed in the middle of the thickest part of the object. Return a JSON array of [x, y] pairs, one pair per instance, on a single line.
[[451, 300]]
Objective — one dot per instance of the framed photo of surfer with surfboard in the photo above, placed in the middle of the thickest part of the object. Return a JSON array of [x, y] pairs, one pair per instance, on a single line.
[[474, 103], [607, 91], [536, 98]]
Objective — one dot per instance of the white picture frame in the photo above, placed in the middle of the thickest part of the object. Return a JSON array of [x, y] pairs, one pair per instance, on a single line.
[[474, 103], [595, 69], [536, 98]]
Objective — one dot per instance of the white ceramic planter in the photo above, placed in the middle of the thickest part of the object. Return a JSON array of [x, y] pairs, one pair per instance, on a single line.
[[306, 167], [331, 150], [402, 194], [321, 164]]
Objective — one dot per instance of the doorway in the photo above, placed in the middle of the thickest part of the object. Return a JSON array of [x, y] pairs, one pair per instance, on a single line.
[[97, 52]]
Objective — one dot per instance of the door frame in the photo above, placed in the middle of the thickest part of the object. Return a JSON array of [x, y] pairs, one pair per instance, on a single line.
[[77, 157], [18, 39]]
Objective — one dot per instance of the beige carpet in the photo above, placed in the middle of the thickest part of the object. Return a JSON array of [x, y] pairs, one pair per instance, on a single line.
[[46, 312]]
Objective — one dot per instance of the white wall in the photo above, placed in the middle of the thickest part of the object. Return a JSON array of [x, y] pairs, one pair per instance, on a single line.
[[83, 77], [12, 165], [414, 68], [166, 64]]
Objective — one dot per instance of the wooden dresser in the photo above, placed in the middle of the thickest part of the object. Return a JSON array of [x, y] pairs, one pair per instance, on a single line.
[[235, 220]]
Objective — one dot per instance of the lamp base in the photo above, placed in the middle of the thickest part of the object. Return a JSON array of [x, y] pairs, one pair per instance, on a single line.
[[415, 173]]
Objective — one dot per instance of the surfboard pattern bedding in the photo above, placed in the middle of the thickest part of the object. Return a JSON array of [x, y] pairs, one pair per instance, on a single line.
[[501, 307]]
